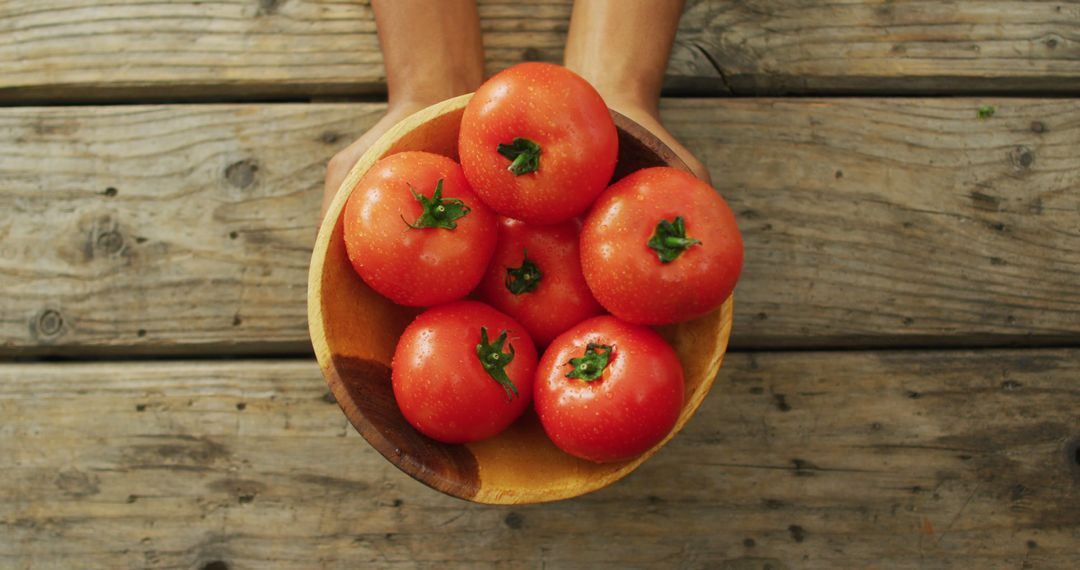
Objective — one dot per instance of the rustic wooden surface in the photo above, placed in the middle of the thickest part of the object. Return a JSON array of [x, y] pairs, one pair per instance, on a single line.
[[140, 50], [137, 225], [868, 222], [899, 459]]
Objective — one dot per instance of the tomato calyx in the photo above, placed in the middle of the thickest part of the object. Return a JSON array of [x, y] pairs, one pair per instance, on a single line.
[[524, 155], [494, 360], [591, 365], [669, 240], [438, 212], [523, 279]]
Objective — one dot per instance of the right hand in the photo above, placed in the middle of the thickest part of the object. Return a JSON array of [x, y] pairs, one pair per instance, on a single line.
[[650, 119]]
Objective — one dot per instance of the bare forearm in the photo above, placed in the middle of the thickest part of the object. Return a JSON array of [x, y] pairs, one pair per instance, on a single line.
[[432, 51], [622, 47]]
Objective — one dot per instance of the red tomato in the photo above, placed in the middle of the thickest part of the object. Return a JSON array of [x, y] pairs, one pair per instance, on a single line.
[[607, 390], [538, 143], [408, 244], [661, 246], [535, 277], [463, 372]]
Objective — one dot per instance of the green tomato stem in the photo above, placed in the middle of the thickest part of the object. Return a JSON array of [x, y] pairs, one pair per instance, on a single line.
[[523, 279], [669, 240], [524, 155], [437, 211], [494, 360], [591, 365]]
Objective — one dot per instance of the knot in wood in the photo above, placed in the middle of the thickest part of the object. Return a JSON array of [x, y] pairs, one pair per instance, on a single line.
[[241, 174], [110, 241], [1022, 157], [50, 323], [514, 520], [798, 534]]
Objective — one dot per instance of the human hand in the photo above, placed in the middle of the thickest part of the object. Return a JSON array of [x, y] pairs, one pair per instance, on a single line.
[[622, 48], [341, 163], [648, 117], [449, 61]]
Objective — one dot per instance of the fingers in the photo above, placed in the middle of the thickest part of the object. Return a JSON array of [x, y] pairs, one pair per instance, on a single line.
[[655, 127], [341, 163], [338, 168], [695, 165]]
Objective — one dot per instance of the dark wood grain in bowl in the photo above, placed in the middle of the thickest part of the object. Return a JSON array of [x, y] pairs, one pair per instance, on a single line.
[[354, 331]]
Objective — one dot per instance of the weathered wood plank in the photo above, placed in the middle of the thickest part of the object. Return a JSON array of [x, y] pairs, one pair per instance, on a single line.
[[902, 459], [140, 50], [183, 227], [869, 46], [867, 222]]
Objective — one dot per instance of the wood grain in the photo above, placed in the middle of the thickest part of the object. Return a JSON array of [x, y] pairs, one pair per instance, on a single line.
[[138, 50], [899, 459], [868, 222], [869, 46], [161, 226]]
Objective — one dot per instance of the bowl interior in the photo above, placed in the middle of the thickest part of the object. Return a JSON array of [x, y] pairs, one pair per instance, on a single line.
[[354, 331]]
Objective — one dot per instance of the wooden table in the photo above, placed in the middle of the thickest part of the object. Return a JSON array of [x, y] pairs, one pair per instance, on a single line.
[[903, 389]]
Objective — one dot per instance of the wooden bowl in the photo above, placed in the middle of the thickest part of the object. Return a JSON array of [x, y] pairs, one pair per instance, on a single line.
[[354, 331]]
